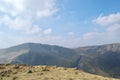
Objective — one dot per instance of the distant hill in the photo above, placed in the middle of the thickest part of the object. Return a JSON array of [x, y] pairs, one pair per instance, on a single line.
[[24, 72], [38, 54], [103, 60]]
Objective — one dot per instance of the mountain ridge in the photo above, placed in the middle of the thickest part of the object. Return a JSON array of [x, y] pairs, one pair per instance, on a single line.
[[42, 50], [101, 60]]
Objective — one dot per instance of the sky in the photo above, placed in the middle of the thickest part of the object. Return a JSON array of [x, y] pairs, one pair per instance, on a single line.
[[67, 23]]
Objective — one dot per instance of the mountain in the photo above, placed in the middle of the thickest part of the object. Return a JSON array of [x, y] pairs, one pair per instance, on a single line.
[[103, 60], [38, 54], [24, 72]]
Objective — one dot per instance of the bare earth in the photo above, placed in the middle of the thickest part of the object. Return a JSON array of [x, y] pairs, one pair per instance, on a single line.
[[24, 72]]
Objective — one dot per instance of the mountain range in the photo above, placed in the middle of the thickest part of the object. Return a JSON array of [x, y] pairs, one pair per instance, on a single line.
[[101, 60]]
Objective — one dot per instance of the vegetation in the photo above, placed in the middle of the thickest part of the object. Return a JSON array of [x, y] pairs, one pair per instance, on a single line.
[[24, 72]]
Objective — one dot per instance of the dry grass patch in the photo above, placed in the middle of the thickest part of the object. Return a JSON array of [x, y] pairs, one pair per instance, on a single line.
[[24, 72]]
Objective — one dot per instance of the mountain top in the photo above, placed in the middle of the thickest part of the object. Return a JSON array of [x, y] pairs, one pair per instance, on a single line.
[[25, 72]]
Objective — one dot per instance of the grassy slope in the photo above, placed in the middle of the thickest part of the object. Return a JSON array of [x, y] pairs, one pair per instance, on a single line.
[[23, 72]]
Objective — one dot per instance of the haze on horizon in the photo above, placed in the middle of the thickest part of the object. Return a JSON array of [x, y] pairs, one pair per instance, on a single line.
[[68, 23]]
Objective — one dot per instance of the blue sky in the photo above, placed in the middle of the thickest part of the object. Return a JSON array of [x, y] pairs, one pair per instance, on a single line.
[[68, 23]]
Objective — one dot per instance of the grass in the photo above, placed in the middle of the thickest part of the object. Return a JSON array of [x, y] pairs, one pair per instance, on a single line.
[[24, 72]]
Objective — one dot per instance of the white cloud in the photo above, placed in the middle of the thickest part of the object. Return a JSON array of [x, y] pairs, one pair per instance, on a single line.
[[92, 35], [47, 31], [114, 28], [20, 15], [114, 31], [15, 40], [45, 13], [34, 29], [12, 7], [108, 20], [19, 24], [109, 35], [71, 33], [1, 33], [38, 8], [4, 19], [23, 16]]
